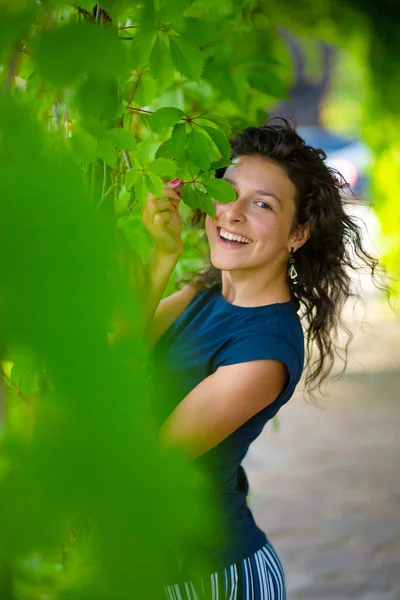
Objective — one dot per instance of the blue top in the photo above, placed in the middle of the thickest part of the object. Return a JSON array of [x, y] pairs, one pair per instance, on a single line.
[[211, 333]]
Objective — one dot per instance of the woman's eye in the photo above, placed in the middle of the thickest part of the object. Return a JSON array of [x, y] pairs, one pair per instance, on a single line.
[[264, 203]]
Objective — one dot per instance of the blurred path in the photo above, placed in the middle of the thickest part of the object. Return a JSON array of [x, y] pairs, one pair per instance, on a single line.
[[326, 486]]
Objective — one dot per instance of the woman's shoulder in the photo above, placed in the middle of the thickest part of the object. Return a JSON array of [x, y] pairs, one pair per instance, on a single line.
[[169, 310]]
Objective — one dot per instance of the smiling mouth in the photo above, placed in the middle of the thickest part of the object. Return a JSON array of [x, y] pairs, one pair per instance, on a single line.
[[231, 243]]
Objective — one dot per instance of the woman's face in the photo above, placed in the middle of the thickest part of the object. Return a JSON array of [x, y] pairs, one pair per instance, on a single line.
[[262, 213]]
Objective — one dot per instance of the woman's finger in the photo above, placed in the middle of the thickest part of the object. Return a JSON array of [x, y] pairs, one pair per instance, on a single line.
[[172, 194], [176, 184], [163, 204], [149, 213], [162, 217]]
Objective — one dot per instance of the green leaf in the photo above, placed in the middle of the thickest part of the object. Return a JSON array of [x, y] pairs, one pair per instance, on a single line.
[[123, 200], [97, 129], [97, 99], [268, 83], [218, 73], [145, 153], [163, 119], [196, 199], [163, 166], [221, 122], [199, 149], [130, 178], [29, 382], [220, 190], [123, 139], [66, 52], [178, 141], [198, 31], [140, 188], [146, 90], [219, 140], [21, 364], [175, 147], [164, 150], [219, 164], [154, 184], [160, 62], [140, 49], [169, 11], [187, 58], [148, 17], [107, 152], [84, 145]]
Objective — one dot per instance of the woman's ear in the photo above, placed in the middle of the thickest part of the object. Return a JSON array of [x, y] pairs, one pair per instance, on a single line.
[[300, 236]]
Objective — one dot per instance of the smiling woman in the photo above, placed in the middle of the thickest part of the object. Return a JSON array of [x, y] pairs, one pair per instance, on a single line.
[[233, 338], [258, 274]]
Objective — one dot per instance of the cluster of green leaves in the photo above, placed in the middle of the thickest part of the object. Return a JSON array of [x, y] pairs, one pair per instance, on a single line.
[[157, 71]]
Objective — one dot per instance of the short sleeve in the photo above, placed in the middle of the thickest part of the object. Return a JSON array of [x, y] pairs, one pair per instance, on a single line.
[[260, 347]]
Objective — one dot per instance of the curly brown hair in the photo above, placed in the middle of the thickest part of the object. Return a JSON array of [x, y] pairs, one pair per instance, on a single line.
[[324, 263]]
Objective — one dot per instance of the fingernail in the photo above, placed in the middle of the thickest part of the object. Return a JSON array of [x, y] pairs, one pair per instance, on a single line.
[[175, 181]]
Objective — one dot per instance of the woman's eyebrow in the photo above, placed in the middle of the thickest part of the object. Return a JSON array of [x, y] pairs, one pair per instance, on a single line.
[[261, 192]]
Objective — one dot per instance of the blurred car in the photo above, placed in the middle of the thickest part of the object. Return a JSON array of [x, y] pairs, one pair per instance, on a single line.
[[351, 157]]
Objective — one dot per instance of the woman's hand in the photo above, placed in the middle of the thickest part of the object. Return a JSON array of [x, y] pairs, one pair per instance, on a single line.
[[162, 219]]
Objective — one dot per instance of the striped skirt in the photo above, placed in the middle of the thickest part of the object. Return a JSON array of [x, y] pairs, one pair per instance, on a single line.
[[259, 577]]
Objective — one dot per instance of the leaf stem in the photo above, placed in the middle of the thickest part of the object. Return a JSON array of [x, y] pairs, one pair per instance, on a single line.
[[104, 196], [13, 387], [104, 179], [140, 110], [135, 88]]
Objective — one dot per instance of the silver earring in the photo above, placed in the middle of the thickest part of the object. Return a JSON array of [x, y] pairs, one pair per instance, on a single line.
[[292, 273]]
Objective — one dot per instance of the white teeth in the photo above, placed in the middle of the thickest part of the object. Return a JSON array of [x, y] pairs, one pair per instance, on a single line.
[[235, 238]]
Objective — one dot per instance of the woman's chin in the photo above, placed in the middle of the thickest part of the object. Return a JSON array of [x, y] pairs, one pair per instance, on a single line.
[[223, 263]]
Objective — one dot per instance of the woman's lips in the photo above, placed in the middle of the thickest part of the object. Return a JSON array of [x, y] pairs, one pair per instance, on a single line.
[[229, 243]]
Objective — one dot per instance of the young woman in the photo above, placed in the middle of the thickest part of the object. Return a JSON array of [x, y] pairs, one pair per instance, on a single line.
[[233, 337]]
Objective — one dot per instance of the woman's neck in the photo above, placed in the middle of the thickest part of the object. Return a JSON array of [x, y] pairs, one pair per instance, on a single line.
[[244, 288]]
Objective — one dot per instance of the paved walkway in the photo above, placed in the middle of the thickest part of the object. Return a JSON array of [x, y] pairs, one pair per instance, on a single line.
[[326, 486]]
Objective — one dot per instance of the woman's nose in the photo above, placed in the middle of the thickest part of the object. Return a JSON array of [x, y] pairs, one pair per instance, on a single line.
[[232, 211]]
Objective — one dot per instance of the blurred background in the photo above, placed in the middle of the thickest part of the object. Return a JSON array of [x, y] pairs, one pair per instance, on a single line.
[[325, 485]]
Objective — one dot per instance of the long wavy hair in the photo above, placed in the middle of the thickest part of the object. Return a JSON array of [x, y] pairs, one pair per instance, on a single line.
[[324, 263]]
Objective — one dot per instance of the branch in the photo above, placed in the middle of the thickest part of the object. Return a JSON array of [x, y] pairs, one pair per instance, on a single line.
[[13, 66], [127, 159]]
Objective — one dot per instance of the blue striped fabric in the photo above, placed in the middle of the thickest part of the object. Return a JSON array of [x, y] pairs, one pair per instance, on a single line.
[[259, 577]]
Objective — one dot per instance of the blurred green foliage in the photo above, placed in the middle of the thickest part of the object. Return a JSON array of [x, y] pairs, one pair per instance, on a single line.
[[364, 100], [98, 108]]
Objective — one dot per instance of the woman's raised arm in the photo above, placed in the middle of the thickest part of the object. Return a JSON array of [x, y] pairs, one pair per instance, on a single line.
[[162, 220]]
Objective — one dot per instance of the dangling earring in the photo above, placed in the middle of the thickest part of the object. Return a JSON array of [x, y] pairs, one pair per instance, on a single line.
[[292, 273]]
